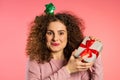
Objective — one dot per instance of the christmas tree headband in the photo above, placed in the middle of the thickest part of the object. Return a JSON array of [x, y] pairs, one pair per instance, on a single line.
[[49, 9]]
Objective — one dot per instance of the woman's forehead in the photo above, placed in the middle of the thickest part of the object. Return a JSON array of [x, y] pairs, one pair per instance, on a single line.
[[56, 25]]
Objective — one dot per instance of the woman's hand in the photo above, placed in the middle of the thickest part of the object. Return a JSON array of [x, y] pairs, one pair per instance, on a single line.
[[75, 64], [94, 38]]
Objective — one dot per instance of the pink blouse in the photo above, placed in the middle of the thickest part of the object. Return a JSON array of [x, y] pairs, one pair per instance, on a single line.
[[55, 70]]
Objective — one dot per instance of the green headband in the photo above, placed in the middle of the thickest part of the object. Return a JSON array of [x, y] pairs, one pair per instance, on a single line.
[[49, 9]]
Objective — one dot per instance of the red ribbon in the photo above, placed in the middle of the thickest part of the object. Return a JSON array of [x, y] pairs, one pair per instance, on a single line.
[[88, 50]]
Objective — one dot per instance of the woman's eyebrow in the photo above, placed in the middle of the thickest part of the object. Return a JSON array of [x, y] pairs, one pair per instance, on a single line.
[[49, 30], [62, 30]]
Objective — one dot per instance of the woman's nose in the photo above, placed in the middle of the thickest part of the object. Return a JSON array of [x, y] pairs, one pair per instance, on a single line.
[[55, 37]]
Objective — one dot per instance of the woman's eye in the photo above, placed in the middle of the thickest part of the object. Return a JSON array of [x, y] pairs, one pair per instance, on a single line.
[[61, 33], [49, 33]]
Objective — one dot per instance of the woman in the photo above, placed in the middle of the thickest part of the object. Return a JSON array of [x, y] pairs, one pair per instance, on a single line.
[[51, 44]]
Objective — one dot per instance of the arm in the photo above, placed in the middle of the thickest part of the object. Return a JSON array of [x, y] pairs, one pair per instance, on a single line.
[[34, 73], [61, 74], [96, 71]]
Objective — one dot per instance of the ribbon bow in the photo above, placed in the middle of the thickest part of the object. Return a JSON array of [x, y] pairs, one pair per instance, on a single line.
[[88, 50], [49, 8]]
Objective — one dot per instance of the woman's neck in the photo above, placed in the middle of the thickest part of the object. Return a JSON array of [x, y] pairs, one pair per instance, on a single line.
[[58, 55]]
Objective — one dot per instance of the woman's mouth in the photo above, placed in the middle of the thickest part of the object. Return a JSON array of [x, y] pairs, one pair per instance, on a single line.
[[55, 44]]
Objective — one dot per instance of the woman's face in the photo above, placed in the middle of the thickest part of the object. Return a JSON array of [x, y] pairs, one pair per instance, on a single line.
[[56, 36]]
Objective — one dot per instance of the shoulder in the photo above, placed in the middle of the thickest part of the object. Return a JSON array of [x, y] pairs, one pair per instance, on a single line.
[[35, 64], [32, 65]]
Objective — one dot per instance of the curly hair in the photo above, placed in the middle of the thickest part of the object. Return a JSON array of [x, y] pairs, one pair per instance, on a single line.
[[36, 47]]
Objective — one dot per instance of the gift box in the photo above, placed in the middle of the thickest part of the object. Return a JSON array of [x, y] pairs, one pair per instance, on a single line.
[[89, 50]]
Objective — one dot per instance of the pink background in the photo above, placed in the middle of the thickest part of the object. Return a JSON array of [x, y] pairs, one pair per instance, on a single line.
[[102, 19]]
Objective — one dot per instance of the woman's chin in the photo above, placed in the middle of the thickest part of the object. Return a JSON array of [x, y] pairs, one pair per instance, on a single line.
[[55, 50]]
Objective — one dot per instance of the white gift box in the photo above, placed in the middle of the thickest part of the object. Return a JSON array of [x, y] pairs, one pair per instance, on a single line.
[[96, 46]]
